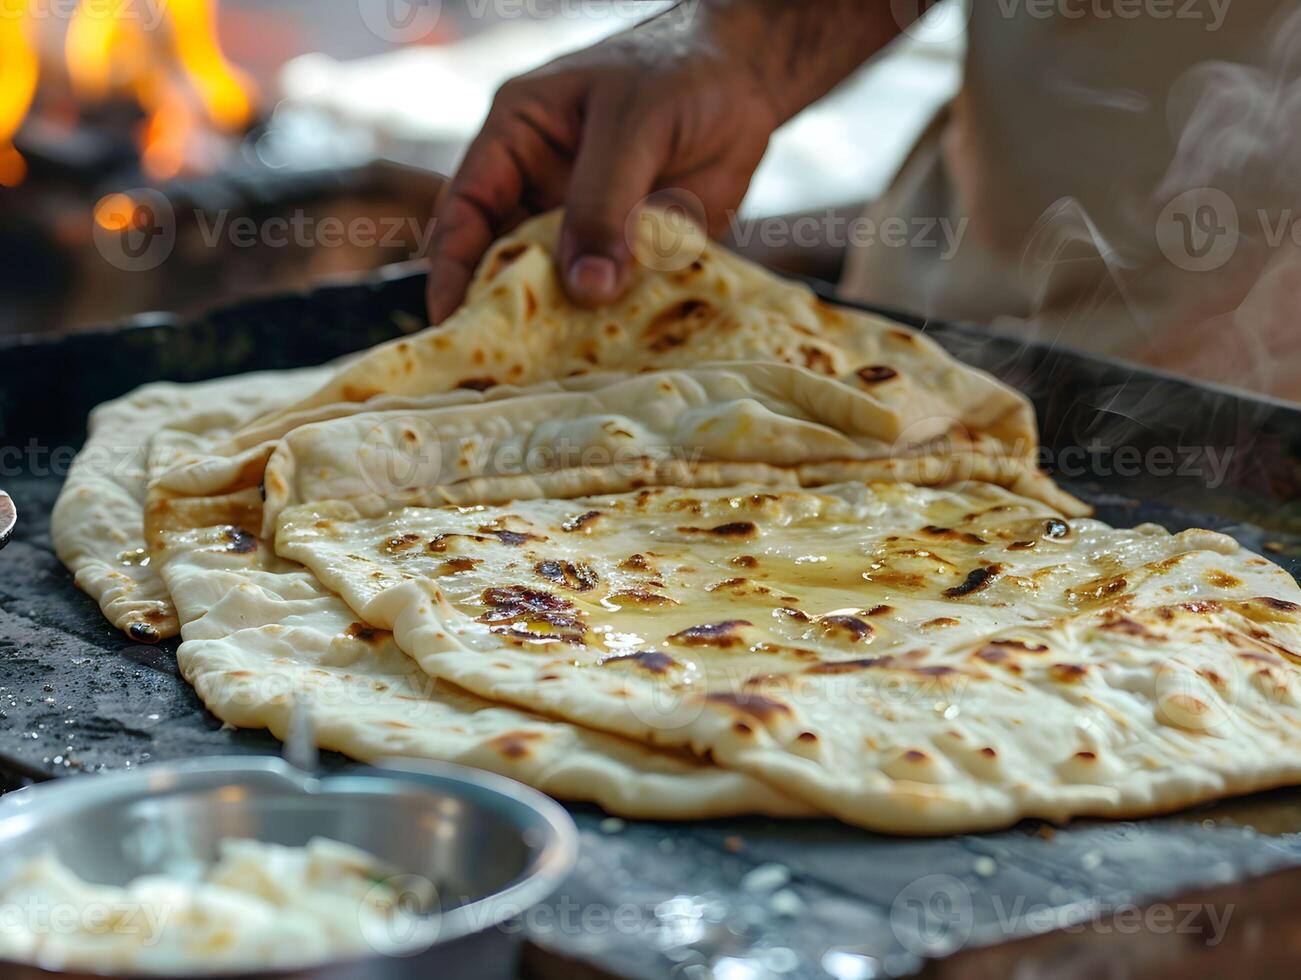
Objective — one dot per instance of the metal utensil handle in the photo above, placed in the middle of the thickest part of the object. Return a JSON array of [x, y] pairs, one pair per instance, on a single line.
[[8, 518]]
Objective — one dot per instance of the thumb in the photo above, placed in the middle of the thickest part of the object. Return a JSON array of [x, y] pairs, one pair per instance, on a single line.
[[615, 168]]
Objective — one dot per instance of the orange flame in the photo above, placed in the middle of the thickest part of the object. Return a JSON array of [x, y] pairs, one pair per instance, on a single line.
[[19, 71], [176, 72], [223, 91]]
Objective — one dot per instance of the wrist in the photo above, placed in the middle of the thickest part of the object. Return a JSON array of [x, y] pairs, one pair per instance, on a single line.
[[795, 52]]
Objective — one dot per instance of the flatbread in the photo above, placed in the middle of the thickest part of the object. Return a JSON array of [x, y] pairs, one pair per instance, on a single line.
[[261, 633], [518, 329], [97, 523], [716, 424], [910, 660]]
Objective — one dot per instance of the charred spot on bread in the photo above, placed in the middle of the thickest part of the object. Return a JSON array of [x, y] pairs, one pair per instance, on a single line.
[[455, 566], [514, 745], [850, 666], [723, 634], [1279, 605], [523, 613], [952, 534], [439, 543], [504, 257], [651, 661], [635, 563], [732, 529], [512, 538], [477, 384], [509, 601], [1114, 622], [1222, 580], [399, 543], [363, 632], [1004, 647], [637, 596], [940, 622], [578, 576], [847, 627], [672, 327], [351, 393], [758, 706], [873, 374], [143, 632], [580, 522], [1099, 589], [977, 580], [238, 540], [727, 583], [817, 359], [1068, 673]]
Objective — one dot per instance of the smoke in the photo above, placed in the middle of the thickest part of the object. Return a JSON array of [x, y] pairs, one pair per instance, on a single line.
[[1217, 296], [1239, 125], [1239, 137]]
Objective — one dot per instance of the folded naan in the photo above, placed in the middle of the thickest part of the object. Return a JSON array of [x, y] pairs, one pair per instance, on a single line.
[[517, 334], [715, 424], [911, 660], [98, 521]]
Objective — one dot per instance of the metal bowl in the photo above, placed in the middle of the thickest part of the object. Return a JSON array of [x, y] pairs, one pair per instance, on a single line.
[[491, 847]]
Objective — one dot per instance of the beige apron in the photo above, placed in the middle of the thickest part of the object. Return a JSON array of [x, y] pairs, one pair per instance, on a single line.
[[1113, 179]]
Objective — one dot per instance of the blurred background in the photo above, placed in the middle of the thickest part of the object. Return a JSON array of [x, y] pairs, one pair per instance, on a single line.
[[178, 155]]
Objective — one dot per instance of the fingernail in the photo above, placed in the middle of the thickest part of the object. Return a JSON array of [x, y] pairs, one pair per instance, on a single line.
[[593, 277]]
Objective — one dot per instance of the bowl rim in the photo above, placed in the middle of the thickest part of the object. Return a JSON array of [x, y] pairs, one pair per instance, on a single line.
[[552, 857]]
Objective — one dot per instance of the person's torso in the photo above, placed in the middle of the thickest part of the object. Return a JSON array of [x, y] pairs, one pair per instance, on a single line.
[[1117, 172]]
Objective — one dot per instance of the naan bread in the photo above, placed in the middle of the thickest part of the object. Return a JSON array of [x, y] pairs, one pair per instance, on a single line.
[[716, 424], [910, 660], [518, 329], [97, 524], [260, 633]]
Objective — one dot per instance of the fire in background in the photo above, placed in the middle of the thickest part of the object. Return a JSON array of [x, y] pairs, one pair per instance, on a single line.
[[161, 57]]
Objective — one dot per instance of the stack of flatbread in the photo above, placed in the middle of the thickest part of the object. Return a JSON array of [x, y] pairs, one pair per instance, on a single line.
[[719, 549]]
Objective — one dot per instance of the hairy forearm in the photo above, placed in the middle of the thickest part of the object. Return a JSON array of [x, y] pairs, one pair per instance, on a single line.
[[798, 50]]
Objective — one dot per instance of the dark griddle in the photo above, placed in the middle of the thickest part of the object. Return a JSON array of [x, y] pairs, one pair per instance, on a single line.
[[76, 695]]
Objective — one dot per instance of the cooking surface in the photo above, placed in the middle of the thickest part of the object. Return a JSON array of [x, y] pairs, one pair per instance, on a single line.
[[781, 898]]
